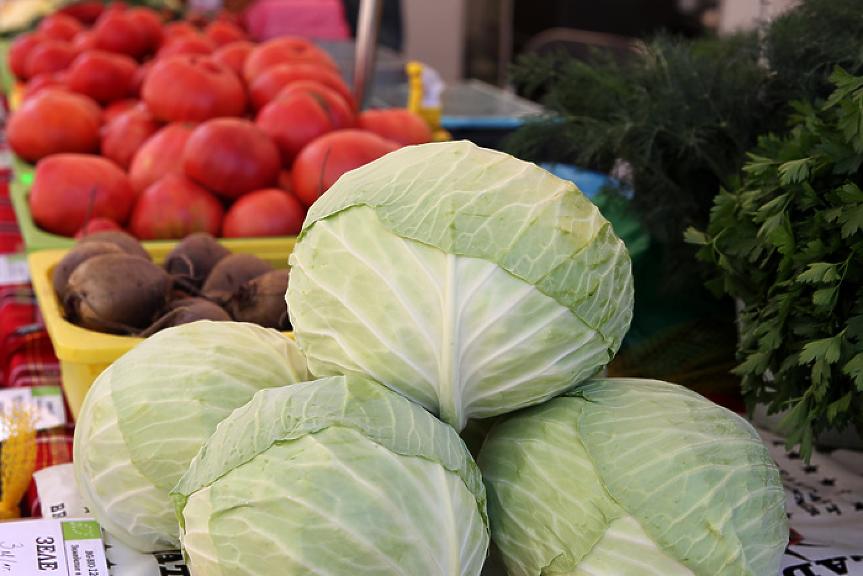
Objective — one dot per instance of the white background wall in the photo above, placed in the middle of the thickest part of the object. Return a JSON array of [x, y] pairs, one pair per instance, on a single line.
[[434, 34], [742, 14]]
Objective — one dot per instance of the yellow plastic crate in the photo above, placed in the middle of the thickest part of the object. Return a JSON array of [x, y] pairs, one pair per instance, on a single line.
[[83, 353]]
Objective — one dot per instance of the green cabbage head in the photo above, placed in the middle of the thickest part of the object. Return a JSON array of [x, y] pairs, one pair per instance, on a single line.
[[147, 415], [470, 281], [338, 476], [631, 477]]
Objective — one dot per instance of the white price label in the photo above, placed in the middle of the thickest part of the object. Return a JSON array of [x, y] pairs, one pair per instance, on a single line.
[[71, 547], [13, 270]]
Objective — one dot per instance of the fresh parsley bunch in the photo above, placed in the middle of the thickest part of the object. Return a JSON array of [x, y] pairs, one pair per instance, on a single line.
[[787, 243]]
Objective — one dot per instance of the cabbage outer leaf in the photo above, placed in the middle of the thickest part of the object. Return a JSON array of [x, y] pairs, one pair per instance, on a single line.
[[147, 415], [625, 550], [128, 505], [471, 201], [470, 281], [335, 476], [458, 335], [567, 479], [695, 475]]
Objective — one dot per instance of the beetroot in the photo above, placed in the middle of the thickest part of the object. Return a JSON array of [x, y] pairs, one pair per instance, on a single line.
[[78, 254], [185, 310], [262, 301], [195, 256], [121, 238], [230, 273], [116, 293]]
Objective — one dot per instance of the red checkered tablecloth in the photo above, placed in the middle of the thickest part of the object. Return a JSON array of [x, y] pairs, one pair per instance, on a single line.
[[10, 235], [26, 355]]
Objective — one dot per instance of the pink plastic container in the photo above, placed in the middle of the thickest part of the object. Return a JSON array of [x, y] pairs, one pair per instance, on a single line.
[[314, 19]]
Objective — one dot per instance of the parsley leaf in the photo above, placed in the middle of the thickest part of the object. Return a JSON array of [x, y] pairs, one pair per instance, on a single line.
[[787, 243]]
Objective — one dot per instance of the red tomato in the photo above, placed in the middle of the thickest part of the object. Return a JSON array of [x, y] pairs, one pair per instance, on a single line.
[[174, 207], [192, 88], [196, 17], [178, 28], [222, 32], [399, 124], [233, 55], [44, 80], [69, 187], [59, 26], [53, 121], [84, 40], [114, 109], [231, 156], [49, 56], [149, 23], [340, 110], [285, 181], [97, 224], [294, 120], [270, 82], [186, 44], [19, 50], [138, 78], [325, 159], [126, 133], [223, 14], [101, 75], [286, 50], [160, 154], [267, 212], [86, 11], [115, 31]]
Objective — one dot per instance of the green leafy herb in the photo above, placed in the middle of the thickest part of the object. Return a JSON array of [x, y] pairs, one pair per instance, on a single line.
[[788, 244], [683, 112]]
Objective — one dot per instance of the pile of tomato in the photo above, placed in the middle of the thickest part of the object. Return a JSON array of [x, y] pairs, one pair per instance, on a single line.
[[166, 127]]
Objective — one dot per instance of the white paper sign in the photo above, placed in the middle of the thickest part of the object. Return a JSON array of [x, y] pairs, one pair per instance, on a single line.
[[69, 547], [13, 270], [59, 497], [824, 500]]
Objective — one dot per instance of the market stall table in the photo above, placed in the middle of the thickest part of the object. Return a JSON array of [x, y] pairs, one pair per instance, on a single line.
[[824, 496]]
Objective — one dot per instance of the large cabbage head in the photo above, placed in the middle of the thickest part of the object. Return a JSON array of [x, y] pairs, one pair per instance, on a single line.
[[631, 477], [470, 281], [339, 476], [147, 415]]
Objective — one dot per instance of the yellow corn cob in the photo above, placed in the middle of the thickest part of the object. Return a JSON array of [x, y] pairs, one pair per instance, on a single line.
[[17, 457]]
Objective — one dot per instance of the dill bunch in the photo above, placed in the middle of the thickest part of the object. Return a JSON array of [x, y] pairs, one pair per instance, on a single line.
[[683, 112], [804, 46]]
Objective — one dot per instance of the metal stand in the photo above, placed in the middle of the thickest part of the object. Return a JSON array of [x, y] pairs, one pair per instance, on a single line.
[[368, 29]]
